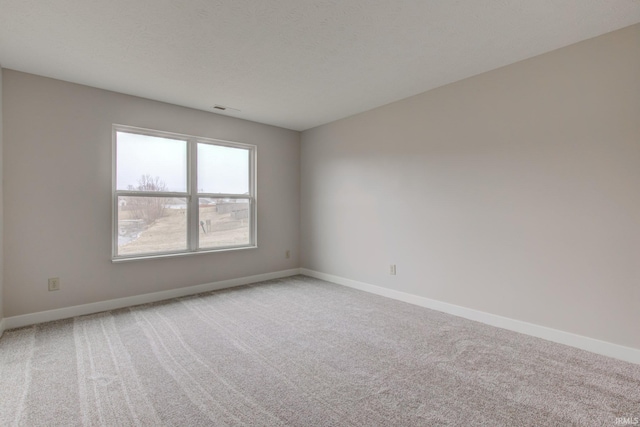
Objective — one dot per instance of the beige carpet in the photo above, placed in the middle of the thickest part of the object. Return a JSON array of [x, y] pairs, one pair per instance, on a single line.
[[301, 352]]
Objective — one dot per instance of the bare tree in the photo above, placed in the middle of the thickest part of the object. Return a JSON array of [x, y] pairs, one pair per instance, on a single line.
[[148, 209]]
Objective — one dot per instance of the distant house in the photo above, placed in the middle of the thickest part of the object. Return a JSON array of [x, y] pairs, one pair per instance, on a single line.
[[234, 206]]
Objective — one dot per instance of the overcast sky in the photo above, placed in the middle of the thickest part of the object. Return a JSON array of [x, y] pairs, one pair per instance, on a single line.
[[220, 169]]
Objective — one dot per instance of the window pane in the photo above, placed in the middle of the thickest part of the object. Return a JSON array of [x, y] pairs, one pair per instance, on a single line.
[[150, 163], [149, 225], [223, 222], [223, 169]]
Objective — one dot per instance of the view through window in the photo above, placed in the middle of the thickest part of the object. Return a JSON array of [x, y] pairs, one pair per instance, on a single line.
[[180, 194]]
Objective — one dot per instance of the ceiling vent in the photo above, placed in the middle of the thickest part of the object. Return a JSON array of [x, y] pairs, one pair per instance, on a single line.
[[223, 108]]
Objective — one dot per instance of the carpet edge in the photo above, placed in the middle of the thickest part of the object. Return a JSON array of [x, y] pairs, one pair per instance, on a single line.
[[96, 307], [593, 345]]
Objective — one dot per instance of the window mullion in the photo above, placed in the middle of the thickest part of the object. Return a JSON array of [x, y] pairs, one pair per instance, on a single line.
[[136, 193], [252, 191], [192, 168], [224, 196]]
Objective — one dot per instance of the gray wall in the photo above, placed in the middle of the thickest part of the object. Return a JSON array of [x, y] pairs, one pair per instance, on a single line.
[[57, 192], [515, 192], [1, 209]]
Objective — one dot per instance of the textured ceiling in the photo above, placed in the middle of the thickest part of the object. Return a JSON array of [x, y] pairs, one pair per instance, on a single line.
[[290, 63]]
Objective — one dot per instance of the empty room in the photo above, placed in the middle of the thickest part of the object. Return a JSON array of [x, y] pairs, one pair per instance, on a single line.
[[320, 213]]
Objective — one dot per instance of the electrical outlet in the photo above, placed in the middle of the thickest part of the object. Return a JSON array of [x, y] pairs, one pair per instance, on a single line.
[[392, 269], [54, 284], [287, 254]]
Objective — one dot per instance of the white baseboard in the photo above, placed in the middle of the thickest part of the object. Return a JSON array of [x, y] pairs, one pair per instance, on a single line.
[[96, 307], [616, 351], [1, 327]]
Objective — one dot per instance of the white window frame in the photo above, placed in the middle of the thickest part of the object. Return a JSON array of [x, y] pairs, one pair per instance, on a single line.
[[191, 195]]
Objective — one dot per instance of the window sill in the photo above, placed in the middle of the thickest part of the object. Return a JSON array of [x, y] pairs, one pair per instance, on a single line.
[[118, 260]]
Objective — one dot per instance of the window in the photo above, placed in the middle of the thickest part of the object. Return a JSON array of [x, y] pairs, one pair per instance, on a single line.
[[179, 194]]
